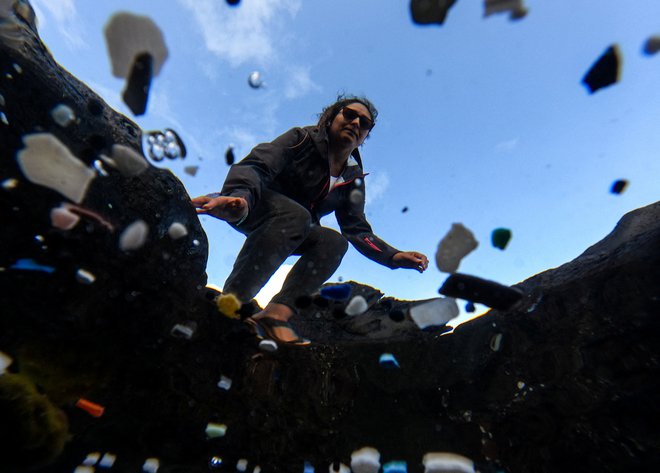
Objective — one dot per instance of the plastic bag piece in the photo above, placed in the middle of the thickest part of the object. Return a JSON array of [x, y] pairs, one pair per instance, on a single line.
[[136, 93], [486, 292], [426, 12], [605, 71]]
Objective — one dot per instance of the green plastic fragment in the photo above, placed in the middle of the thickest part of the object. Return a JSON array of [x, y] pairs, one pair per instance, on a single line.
[[500, 237]]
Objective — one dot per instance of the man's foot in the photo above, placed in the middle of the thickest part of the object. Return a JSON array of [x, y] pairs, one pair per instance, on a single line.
[[272, 323]]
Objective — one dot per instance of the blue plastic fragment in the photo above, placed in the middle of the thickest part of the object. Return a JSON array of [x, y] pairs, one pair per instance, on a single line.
[[309, 468], [395, 467], [29, 264], [338, 292], [387, 360], [469, 307]]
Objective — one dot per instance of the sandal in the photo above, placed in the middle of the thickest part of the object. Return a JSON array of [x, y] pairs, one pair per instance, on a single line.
[[264, 328]]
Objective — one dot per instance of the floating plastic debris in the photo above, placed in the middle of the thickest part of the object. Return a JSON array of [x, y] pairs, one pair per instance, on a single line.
[[136, 92], [520, 384], [605, 71], [134, 236], [365, 460], [63, 115], [214, 430], [97, 164], [339, 468], [426, 12], [84, 469], [233, 3], [229, 155], [224, 383], [395, 467], [496, 342], [257, 469], [215, 462], [241, 465], [186, 330], [255, 80], [177, 230], [108, 460], [652, 45], [268, 346], [308, 468], [191, 170], [447, 463], [3, 118], [85, 277], [453, 247], [17, 68], [618, 186], [434, 313], [151, 465], [5, 362], [515, 8], [91, 459], [387, 360], [358, 305], [228, 305], [500, 237], [475, 289], [128, 161], [9, 184], [62, 218], [28, 264], [404, 210], [338, 292], [93, 409], [469, 307], [46, 161]]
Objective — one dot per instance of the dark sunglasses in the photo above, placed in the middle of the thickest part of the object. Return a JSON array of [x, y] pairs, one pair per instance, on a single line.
[[349, 114]]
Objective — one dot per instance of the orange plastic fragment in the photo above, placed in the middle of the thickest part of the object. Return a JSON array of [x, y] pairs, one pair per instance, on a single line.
[[90, 407]]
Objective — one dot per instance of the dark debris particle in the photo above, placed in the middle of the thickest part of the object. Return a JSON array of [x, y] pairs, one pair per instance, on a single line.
[[472, 288], [229, 156], [404, 210], [95, 107], [500, 237], [426, 12], [233, 3], [469, 307], [605, 70], [136, 93], [618, 186], [397, 315]]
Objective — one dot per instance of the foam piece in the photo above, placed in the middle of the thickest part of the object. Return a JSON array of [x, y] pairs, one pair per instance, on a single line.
[[358, 305], [177, 230], [365, 460], [268, 346], [134, 236], [447, 463], [127, 36], [435, 312], [454, 246], [241, 465], [47, 162], [128, 161], [91, 459], [85, 277]]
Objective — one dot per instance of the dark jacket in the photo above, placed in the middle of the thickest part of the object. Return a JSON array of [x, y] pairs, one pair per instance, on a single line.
[[295, 164]]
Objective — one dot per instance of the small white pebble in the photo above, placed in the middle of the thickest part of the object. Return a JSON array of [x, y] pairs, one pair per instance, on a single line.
[[177, 230], [151, 465], [85, 277], [134, 236], [108, 460]]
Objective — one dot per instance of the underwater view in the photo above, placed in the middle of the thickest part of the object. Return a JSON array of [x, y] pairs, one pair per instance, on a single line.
[[348, 236]]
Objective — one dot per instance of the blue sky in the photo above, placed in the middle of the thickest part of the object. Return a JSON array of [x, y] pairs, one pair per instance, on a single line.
[[483, 121]]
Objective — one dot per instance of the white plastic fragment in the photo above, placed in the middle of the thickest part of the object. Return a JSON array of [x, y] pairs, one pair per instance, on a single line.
[[107, 460], [358, 305], [496, 342], [652, 45], [365, 460], [85, 277], [3, 118], [442, 462], [151, 465], [84, 469], [268, 346], [214, 430], [341, 469], [91, 459], [61, 217], [177, 230], [224, 383], [127, 36], [9, 184], [241, 465], [63, 115], [255, 80], [5, 362], [128, 161], [435, 312], [257, 469], [46, 161], [183, 330], [453, 247], [134, 236]]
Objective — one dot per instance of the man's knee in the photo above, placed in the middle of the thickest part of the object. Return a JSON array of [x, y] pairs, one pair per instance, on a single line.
[[335, 242]]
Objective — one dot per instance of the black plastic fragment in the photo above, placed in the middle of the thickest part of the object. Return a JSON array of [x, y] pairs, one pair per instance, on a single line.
[[233, 3], [136, 93], [474, 289], [404, 210], [605, 70], [229, 156], [618, 186], [426, 12]]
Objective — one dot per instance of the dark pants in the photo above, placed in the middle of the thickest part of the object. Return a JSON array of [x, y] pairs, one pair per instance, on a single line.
[[277, 228]]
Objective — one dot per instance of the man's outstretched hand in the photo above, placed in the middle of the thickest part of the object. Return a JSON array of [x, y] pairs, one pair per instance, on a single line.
[[229, 209], [411, 259]]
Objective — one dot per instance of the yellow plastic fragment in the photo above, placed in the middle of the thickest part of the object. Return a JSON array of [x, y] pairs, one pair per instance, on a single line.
[[228, 305]]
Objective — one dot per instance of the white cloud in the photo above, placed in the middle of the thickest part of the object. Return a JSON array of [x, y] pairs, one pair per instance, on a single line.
[[65, 15], [273, 285], [299, 82], [242, 34], [376, 185], [507, 146]]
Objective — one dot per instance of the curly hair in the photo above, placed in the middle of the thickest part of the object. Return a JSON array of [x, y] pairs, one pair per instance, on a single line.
[[330, 112]]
